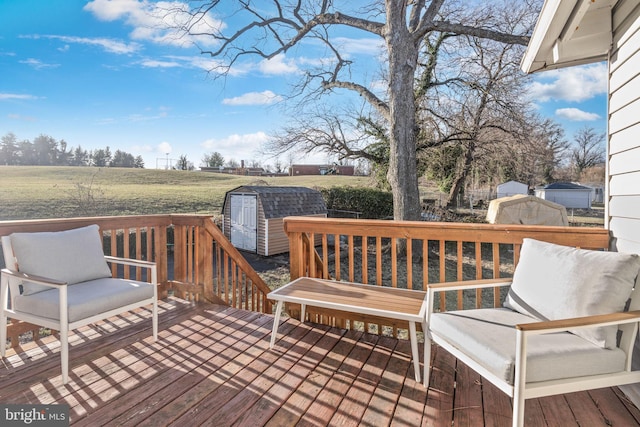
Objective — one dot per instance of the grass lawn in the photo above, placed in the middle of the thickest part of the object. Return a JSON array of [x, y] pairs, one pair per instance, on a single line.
[[34, 192]]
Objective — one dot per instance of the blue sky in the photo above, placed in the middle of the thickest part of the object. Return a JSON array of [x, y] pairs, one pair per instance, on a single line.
[[100, 73]]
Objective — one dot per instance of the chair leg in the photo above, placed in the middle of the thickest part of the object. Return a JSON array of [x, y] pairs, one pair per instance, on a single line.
[[427, 354], [276, 322], [414, 350], [154, 320], [519, 380], [3, 334], [64, 333], [4, 300], [64, 354]]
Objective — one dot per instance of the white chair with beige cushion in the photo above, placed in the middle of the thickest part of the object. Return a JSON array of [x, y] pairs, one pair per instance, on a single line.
[[569, 323], [62, 280]]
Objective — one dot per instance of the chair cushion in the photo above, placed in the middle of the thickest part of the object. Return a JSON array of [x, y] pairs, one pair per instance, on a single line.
[[86, 299], [71, 256], [554, 282], [488, 336]]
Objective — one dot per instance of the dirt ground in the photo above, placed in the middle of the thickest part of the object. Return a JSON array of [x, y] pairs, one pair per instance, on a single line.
[[274, 270]]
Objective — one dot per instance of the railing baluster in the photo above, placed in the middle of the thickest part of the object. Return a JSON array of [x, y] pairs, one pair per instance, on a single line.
[[478, 255], [365, 262], [336, 249], [496, 273], [394, 262], [379, 260], [351, 261], [409, 283], [425, 263]]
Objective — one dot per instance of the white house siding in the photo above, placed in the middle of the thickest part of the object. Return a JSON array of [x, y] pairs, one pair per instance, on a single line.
[[623, 190], [624, 128]]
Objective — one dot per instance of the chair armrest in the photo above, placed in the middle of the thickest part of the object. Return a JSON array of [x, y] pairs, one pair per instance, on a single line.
[[563, 325], [468, 284], [33, 278], [130, 261]]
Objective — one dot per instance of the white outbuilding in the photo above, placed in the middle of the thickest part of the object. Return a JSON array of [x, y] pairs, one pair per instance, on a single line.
[[567, 194], [511, 188]]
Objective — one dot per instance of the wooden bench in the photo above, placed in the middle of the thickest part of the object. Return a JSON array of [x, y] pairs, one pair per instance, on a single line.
[[393, 303]]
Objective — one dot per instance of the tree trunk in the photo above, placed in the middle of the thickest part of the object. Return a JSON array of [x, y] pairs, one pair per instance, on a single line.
[[461, 175], [403, 58]]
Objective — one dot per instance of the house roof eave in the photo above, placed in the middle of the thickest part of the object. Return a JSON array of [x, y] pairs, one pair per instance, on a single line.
[[569, 33]]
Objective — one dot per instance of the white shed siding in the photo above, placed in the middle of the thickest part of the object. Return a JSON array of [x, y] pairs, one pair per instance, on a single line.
[[511, 188], [623, 208], [624, 128]]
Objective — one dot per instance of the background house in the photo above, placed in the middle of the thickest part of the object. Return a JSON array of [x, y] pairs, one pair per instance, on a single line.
[[511, 188], [579, 32], [253, 215], [296, 170], [567, 194]]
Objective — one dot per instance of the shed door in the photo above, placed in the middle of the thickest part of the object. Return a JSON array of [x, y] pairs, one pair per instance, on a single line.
[[244, 218]]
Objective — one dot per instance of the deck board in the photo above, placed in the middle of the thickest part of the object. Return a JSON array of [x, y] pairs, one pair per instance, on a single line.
[[212, 366]]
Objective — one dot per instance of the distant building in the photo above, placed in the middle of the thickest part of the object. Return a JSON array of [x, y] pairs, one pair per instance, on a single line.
[[597, 192], [511, 188], [567, 194], [242, 170], [296, 170]]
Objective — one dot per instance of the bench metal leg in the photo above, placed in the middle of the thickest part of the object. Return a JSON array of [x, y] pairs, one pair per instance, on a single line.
[[414, 349], [276, 323], [427, 354], [303, 312], [4, 304]]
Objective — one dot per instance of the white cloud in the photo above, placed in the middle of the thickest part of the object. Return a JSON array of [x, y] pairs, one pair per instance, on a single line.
[[254, 98], [109, 45], [37, 64], [201, 62], [236, 146], [22, 118], [574, 84], [164, 148], [155, 63], [278, 65], [158, 21], [367, 46], [4, 96], [576, 115], [143, 149]]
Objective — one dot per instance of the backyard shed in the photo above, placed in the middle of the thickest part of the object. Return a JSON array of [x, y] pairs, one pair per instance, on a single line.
[[253, 215], [511, 188], [567, 194], [528, 210]]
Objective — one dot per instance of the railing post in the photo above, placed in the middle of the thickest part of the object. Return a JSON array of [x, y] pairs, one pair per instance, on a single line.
[[297, 259], [204, 263], [161, 253]]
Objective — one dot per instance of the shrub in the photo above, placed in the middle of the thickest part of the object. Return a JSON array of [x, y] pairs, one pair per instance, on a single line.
[[369, 202]]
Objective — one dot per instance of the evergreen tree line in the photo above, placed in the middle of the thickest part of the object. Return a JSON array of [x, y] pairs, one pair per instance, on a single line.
[[47, 151]]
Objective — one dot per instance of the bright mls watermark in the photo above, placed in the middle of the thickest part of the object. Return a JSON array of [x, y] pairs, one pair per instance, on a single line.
[[34, 415]]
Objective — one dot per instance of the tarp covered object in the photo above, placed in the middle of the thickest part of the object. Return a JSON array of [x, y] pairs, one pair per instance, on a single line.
[[529, 210]]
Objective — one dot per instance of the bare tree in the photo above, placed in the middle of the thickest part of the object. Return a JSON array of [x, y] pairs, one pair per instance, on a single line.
[[184, 164], [588, 149], [271, 28]]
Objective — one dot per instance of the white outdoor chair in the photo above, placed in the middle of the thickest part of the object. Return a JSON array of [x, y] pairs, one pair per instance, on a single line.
[[569, 324], [62, 280]]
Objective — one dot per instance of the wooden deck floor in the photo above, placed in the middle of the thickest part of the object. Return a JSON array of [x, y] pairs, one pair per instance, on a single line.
[[212, 365]]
